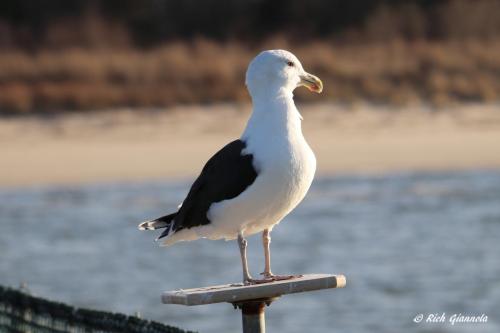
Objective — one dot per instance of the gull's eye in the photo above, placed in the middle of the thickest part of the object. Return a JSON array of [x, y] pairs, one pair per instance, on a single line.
[[290, 63]]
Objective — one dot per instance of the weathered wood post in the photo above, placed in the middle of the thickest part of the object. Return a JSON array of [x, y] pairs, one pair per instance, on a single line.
[[252, 299], [252, 315]]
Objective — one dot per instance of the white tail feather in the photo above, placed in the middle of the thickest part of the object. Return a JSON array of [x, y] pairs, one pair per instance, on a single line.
[[152, 225]]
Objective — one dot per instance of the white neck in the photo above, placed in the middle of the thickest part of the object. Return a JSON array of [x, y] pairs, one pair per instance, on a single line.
[[274, 113]]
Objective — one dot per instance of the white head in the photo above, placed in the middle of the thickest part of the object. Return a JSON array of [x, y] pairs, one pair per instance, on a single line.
[[276, 71]]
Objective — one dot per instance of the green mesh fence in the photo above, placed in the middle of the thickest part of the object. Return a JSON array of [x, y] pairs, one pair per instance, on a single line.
[[23, 313]]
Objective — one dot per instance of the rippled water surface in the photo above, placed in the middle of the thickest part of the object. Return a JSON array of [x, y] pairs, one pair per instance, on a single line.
[[408, 244]]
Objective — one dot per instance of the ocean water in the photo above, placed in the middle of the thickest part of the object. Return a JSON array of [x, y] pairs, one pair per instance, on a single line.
[[409, 244]]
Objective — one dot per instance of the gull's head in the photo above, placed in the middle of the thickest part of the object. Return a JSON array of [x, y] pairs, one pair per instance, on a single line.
[[278, 70]]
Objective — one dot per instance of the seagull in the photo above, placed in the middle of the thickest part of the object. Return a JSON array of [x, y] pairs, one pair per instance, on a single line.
[[252, 183]]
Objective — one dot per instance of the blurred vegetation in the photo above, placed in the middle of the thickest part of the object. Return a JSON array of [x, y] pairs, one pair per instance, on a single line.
[[73, 55]]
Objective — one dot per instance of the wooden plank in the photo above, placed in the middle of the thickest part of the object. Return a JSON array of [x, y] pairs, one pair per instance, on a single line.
[[237, 293]]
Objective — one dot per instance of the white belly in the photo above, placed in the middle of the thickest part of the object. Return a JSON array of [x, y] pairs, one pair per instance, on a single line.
[[285, 173]]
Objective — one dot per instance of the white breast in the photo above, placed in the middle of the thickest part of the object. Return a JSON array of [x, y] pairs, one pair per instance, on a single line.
[[285, 164]]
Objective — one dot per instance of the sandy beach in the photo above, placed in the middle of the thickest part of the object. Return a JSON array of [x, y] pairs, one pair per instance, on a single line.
[[132, 145]]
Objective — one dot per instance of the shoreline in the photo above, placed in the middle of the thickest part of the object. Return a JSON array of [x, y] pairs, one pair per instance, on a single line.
[[134, 145]]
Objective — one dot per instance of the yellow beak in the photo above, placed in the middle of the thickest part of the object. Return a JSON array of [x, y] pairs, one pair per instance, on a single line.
[[311, 82]]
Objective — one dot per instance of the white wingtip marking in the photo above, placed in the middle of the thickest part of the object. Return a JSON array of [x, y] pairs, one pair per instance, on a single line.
[[145, 226]]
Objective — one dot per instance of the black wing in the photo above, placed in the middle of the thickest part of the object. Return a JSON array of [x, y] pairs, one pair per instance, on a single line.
[[227, 174]]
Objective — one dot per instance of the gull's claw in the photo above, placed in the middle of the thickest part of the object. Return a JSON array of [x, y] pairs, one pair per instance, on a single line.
[[272, 277], [252, 281]]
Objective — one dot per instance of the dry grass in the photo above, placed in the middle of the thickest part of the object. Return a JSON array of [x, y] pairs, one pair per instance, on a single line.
[[203, 71]]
